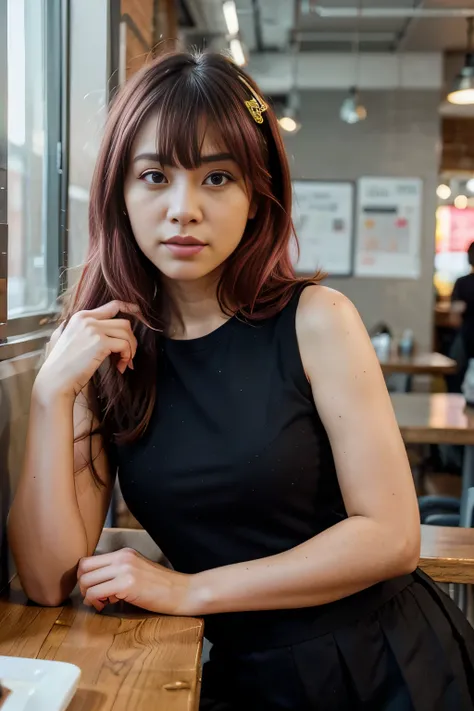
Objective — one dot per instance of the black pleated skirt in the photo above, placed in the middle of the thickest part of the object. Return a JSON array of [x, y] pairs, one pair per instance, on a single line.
[[412, 652]]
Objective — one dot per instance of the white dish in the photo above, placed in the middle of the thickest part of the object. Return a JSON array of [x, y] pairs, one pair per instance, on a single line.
[[37, 684]]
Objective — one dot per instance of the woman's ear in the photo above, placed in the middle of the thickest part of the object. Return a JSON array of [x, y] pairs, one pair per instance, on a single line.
[[253, 209]]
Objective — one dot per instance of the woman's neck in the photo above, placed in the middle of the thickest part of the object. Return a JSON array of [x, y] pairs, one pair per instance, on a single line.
[[192, 308]]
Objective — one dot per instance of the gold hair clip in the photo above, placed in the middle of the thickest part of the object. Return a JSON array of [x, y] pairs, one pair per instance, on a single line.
[[256, 106]]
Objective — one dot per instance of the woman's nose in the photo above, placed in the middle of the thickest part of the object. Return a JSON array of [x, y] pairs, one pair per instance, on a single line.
[[184, 206]]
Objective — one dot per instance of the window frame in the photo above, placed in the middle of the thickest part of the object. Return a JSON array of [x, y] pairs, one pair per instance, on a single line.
[[29, 331], [3, 172]]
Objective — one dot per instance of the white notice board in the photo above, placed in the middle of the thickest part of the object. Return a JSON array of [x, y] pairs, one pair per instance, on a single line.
[[323, 213], [388, 227]]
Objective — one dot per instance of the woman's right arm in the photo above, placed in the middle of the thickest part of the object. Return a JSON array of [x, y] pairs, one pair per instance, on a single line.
[[59, 509]]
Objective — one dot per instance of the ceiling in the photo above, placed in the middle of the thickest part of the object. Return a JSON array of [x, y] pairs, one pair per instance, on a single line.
[[271, 25]]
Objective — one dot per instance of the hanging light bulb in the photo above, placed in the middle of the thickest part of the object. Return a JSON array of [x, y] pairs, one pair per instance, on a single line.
[[462, 91], [289, 120], [352, 111]]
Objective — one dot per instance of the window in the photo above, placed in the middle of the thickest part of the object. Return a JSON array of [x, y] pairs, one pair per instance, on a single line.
[[53, 101], [27, 288], [33, 154]]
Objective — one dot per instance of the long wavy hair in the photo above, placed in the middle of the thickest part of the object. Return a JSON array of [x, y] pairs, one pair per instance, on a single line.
[[186, 91]]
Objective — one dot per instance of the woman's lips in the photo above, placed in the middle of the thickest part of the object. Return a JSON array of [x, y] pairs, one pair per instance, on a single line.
[[184, 250], [184, 245]]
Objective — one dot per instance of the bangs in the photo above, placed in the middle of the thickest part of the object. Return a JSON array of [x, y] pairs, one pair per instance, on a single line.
[[192, 108]]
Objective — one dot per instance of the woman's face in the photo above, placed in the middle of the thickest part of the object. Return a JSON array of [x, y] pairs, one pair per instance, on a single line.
[[187, 222]]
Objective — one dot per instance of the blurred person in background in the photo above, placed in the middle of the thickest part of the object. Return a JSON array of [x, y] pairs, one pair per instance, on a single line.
[[462, 317], [248, 419]]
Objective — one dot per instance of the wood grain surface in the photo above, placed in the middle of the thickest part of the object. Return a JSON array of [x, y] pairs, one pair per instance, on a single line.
[[130, 660], [447, 554]]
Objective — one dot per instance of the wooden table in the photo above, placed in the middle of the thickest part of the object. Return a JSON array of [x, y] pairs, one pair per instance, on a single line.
[[131, 660], [419, 364], [404, 368], [440, 418], [447, 554]]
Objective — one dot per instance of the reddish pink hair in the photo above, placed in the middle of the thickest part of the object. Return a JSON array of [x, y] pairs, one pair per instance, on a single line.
[[185, 90]]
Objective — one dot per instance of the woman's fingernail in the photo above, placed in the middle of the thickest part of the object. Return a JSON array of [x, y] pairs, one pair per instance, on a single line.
[[130, 364]]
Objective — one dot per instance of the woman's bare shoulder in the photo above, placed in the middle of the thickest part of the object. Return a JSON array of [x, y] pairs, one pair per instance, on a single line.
[[325, 311]]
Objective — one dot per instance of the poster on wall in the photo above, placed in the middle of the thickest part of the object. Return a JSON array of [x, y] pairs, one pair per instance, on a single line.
[[388, 227], [323, 213]]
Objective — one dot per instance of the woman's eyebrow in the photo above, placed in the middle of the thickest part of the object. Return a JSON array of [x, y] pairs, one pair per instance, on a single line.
[[212, 158]]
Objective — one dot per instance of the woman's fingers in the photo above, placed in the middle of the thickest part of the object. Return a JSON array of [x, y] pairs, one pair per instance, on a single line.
[[95, 577], [102, 594], [121, 329], [122, 347], [112, 308]]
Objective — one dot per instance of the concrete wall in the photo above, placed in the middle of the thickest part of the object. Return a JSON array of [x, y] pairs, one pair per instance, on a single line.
[[399, 138]]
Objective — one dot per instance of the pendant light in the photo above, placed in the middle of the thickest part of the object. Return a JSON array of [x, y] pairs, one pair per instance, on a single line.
[[352, 110], [462, 91], [290, 121]]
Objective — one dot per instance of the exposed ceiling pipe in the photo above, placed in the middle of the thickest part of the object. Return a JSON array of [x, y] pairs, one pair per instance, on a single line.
[[314, 36], [390, 13], [407, 26]]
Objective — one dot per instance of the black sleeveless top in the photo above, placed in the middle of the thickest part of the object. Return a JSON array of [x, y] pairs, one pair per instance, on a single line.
[[236, 464]]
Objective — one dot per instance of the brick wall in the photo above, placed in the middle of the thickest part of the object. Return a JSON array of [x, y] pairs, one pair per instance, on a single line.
[[139, 33]]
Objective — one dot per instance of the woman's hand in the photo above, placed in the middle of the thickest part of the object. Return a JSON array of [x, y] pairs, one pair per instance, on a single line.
[[127, 575], [77, 351]]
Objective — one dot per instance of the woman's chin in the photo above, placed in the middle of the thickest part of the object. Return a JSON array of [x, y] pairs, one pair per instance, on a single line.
[[185, 271]]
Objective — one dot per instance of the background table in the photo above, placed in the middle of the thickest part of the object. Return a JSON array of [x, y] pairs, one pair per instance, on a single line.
[[440, 418], [406, 367], [131, 660], [447, 554], [419, 364]]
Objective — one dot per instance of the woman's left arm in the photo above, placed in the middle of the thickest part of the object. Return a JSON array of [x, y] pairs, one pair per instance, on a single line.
[[380, 539]]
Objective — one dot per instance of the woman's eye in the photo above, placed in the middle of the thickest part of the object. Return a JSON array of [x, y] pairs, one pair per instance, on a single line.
[[217, 180], [153, 177]]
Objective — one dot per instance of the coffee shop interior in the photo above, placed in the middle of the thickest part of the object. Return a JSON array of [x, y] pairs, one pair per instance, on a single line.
[[375, 104]]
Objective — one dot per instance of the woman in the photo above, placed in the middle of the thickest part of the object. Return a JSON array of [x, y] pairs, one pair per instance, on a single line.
[[248, 417]]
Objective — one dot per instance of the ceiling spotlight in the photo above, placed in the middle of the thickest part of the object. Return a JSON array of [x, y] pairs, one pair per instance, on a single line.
[[237, 52], [352, 111], [443, 192], [230, 16]]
